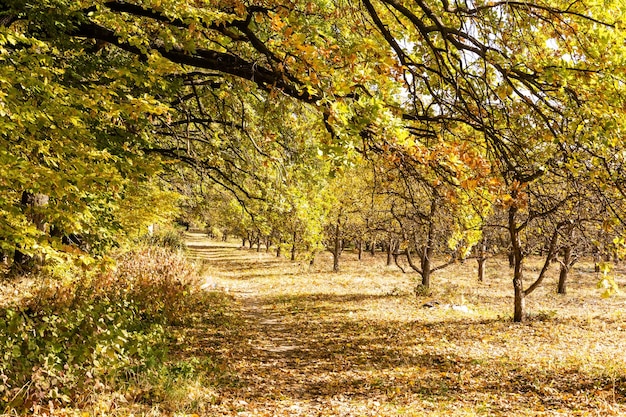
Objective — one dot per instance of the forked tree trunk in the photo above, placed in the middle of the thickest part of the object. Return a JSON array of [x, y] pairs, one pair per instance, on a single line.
[[396, 254]]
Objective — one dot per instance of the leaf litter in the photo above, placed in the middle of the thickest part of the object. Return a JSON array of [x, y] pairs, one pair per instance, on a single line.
[[308, 342]]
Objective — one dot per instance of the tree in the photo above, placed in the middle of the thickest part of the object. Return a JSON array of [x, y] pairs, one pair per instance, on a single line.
[[72, 129]]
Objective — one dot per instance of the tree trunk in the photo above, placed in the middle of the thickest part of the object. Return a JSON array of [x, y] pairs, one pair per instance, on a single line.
[[360, 248], [337, 244], [31, 205], [481, 268], [511, 259], [389, 251], [427, 252], [426, 271], [516, 251], [293, 247], [596, 259], [373, 248], [519, 302], [565, 267], [396, 254], [482, 260]]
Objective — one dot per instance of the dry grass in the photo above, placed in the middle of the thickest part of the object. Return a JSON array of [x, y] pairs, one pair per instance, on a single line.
[[359, 342]]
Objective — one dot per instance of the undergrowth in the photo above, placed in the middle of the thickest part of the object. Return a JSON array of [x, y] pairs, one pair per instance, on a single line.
[[103, 334]]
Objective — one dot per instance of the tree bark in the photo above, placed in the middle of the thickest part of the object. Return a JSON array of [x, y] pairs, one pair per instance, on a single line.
[[293, 247], [426, 271], [481, 269], [564, 272], [519, 301], [482, 260], [426, 279], [337, 244], [516, 251], [31, 206], [427, 252]]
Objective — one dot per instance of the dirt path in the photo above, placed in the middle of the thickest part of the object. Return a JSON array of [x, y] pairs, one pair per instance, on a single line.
[[288, 361], [230, 270]]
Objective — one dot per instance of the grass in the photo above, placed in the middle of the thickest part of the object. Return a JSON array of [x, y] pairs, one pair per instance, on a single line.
[[280, 338]]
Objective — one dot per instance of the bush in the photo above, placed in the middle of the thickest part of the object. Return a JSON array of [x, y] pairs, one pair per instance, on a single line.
[[169, 238], [54, 355], [158, 280], [93, 335]]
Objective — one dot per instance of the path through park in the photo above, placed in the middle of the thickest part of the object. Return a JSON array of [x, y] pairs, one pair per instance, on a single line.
[[299, 341]]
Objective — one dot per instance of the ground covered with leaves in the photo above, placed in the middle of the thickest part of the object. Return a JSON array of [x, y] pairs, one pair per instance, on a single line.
[[262, 336], [303, 341]]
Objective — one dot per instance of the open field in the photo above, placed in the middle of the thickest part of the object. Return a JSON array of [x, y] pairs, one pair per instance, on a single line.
[[303, 341]]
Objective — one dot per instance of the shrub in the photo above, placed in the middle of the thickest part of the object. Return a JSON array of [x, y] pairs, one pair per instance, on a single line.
[[159, 281], [169, 238], [55, 354], [67, 342]]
